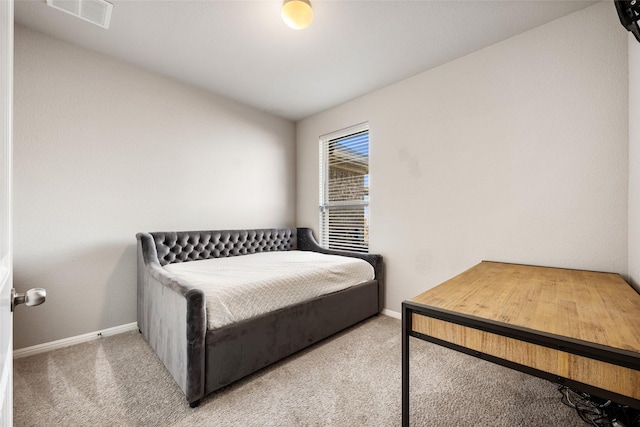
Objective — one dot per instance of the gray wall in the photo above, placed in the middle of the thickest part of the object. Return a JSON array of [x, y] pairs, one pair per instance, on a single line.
[[634, 161], [516, 153], [103, 150]]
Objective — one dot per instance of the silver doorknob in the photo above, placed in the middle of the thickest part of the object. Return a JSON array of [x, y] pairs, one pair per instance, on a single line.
[[35, 296]]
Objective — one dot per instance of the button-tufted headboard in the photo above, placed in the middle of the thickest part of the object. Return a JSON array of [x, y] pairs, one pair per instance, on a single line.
[[183, 246]]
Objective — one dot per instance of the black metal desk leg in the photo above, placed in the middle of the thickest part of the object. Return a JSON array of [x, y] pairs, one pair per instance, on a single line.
[[406, 328]]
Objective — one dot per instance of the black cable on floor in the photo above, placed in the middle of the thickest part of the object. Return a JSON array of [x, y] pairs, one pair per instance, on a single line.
[[599, 412]]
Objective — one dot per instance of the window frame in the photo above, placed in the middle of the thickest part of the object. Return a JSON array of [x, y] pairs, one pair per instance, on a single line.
[[325, 205]]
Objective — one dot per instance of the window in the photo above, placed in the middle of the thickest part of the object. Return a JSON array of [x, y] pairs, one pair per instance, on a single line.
[[344, 189]]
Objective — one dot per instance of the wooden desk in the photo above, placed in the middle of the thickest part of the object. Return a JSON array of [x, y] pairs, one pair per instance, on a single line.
[[574, 327]]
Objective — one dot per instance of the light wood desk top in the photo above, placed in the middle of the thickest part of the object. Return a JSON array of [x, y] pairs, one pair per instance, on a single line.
[[588, 306], [574, 327]]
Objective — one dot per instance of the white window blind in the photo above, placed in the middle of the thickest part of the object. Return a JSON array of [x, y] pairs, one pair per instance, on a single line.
[[344, 189]]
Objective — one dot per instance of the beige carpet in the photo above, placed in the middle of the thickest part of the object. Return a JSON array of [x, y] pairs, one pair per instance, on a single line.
[[352, 379]]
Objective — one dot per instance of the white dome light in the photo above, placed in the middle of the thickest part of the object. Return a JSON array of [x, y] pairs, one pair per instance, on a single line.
[[297, 14]]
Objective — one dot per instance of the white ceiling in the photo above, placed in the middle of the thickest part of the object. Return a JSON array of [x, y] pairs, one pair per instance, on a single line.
[[242, 49]]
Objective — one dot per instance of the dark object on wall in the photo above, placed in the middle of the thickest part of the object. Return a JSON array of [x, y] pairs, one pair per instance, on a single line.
[[629, 14]]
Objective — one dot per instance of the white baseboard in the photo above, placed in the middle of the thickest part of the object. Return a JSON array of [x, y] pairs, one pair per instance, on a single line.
[[392, 313], [66, 342]]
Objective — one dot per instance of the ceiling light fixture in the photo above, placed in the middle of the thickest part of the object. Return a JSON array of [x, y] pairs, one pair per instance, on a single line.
[[297, 14]]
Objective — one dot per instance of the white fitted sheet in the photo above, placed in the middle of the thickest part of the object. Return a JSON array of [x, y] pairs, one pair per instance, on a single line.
[[242, 287]]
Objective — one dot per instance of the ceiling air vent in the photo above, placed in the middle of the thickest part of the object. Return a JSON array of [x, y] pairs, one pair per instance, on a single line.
[[95, 11]]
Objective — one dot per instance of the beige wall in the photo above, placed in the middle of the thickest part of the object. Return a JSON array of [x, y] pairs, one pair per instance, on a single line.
[[634, 161], [104, 150], [516, 153]]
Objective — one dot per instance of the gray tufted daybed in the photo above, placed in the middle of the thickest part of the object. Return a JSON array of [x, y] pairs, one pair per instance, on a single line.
[[172, 312]]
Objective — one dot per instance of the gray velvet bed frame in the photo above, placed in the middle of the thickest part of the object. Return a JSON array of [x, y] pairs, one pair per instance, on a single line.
[[172, 313]]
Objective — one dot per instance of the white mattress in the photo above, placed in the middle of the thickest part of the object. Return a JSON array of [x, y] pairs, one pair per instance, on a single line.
[[241, 287]]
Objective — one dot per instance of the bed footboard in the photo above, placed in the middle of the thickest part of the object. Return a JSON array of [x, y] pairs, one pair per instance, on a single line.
[[172, 318]]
